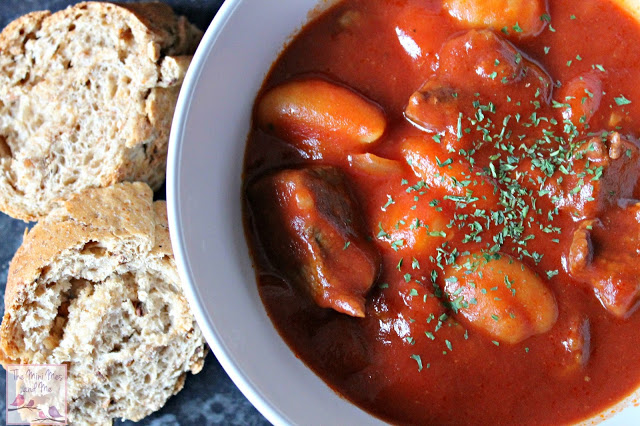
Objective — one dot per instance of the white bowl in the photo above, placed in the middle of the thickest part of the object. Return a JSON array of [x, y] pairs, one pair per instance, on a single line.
[[204, 181], [204, 193]]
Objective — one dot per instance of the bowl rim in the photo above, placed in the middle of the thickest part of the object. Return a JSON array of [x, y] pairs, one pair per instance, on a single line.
[[174, 212], [174, 215]]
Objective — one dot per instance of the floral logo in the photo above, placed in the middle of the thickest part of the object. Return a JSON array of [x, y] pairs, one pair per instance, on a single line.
[[38, 393]]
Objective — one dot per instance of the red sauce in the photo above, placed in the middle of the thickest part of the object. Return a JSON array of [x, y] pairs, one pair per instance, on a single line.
[[393, 362]]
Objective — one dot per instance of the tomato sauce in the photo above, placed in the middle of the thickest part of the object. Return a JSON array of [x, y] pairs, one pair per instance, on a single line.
[[417, 356]]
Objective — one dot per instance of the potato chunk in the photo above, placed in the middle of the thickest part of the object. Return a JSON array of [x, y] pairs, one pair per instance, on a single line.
[[308, 223], [519, 17], [502, 297], [320, 118]]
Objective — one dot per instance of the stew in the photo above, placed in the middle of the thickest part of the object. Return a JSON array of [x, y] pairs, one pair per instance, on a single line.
[[442, 203]]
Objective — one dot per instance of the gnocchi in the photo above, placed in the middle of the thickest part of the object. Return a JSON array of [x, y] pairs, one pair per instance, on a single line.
[[320, 118], [440, 171], [518, 17], [501, 296]]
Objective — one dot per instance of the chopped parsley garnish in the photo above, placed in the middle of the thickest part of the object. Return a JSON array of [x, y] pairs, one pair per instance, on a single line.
[[418, 359], [621, 100], [388, 203]]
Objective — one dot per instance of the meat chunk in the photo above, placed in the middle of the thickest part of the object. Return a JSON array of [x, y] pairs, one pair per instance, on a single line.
[[308, 224], [345, 348], [478, 72], [438, 108], [581, 97], [434, 108], [403, 310], [501, 296], [581, 249], [484, 62], [575, 345], [604, 254], [517, 17], [605, 169]]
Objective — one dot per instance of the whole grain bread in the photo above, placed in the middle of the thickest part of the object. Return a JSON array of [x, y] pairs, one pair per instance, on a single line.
[[87, 95], [95, 286]]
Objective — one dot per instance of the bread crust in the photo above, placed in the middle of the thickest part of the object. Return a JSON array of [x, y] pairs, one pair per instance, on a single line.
[[123, 212], [139, 80], [133, 230]]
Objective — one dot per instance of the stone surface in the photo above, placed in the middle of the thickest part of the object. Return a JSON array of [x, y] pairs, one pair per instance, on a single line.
[[209, 398]]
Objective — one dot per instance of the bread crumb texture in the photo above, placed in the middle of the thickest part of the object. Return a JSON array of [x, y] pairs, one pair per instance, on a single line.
[[95, 286], [87, 95]]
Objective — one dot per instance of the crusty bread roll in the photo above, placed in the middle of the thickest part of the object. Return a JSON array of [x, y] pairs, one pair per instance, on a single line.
[[87, 95], [95, 285]]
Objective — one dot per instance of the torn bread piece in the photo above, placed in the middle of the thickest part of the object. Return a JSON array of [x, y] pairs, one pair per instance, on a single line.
[[95, 286], [87, 95]]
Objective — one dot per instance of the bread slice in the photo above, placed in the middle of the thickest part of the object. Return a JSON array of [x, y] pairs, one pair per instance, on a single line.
[[94, 285], [87, 95]]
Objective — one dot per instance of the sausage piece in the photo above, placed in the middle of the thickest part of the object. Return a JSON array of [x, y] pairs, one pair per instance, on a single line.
[[308, 224]]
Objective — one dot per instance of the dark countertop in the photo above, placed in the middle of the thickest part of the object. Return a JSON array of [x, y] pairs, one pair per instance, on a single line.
[[209, 398]]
